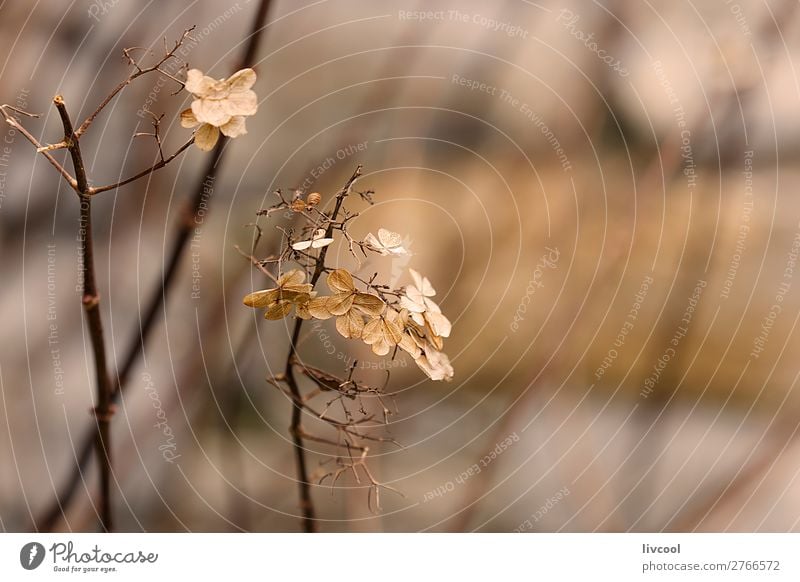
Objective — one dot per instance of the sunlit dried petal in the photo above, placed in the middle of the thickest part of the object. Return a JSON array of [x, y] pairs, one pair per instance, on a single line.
[[436, 365], [438, 323], [422, 284], [211, 111], [197, 83], [241, 80], [244, 103], [235, 127]]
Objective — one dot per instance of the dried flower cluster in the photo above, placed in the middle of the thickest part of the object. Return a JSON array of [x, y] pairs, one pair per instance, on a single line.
[[219, 106], [381, 317], [389, 320]]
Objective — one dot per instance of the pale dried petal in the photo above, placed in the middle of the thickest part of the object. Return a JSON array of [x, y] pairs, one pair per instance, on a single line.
[[389, 239], [413, 300], [408, 344], [436, 365], [188, 120], [206, 137], [235, 127], [199, 84], [422, 284], [241, 80], [243, 103], [302, 245], [321, 242], [439, 324], [212, 111]]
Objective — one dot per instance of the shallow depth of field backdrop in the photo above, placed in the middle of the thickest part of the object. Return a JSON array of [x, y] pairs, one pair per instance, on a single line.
[[605, 195]]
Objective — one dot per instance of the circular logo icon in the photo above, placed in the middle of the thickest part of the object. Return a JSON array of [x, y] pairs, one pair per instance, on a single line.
[[31, 555]]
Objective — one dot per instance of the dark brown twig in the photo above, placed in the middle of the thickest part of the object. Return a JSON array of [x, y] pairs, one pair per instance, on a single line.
[[159, 292], [91, 304], [295, 429]]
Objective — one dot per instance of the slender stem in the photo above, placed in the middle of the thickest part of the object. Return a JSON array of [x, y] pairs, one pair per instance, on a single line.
[[296, 429], [158, 295], [19, 127], [91, 304], [160, 164]]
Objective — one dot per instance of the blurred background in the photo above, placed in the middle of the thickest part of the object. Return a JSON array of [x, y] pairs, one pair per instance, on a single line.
[[604, 195]]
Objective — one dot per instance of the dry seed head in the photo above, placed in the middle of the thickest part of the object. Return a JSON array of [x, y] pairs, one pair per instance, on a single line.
[[298, 205], [314, 198]]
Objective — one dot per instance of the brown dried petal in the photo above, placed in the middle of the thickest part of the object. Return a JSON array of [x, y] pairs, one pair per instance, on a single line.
[[278, 310], [369, 304], [350, 325], [341, 281], [340, 303], [318, 307], [261, 298]]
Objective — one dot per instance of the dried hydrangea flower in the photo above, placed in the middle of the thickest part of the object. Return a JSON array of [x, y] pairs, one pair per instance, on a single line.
[[424, 311], [291, 291], [317, 241], [347, 303], [435, 364], [219, 105], [386, 243]]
